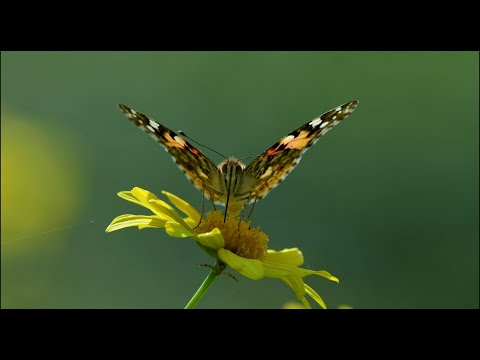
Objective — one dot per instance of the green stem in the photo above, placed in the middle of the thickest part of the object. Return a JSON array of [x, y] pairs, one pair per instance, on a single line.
[[216, 270]]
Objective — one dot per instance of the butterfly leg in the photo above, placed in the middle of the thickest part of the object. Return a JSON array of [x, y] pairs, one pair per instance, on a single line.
[[203, 209], [214, 207], [210, 196], [230, 276], [251, 210], [221, 269]]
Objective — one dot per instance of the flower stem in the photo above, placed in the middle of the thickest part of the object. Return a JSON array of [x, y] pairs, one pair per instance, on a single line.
[[216, 270]]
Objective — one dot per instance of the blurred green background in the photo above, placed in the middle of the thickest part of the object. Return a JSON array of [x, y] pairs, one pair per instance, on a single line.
[[387, 201]]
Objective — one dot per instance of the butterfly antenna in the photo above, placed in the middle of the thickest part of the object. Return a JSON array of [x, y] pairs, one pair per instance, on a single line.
[[246, 157], [196, 142]]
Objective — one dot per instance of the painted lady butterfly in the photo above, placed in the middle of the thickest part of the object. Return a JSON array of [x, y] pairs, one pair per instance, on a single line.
[[233, 183]]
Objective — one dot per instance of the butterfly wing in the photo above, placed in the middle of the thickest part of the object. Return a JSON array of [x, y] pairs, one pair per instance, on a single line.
[[268, 169], [199, 169]]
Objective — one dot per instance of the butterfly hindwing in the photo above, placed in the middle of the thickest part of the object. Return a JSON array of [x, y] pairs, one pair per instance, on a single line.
[[269, 168]]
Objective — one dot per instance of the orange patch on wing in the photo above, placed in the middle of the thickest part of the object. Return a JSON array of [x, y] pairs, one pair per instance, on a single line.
[[192, 150], [174, 142], [272, 151], [299, 142], [291, 142]]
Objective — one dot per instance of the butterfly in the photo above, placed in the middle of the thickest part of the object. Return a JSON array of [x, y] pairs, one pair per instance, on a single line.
[[232, 183]]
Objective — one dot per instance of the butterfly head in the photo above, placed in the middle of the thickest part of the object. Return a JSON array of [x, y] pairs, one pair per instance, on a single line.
[[231, 167]]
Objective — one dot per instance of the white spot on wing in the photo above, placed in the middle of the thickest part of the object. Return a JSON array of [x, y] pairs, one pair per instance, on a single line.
[[150, 128], [338, 108], [324, 124], [179, 140], [287, 139], [154, 124], [315, 122]]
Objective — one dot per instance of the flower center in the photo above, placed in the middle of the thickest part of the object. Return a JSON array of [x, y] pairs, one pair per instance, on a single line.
[[239, 238]]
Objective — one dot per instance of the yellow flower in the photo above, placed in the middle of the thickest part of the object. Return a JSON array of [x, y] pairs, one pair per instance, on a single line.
[[232, 243]]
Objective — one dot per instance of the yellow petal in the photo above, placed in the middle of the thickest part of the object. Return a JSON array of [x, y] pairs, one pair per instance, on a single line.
[[305, 303], [177, 230], [191, 223], [127, 195], [161, 208], [327, 275], [212, 239], [277, 270], [156, 223], [300, 288], [183, 206], [250, 268], [291, 256], [286, 262], [314, 295], [150, 201], [124, 221], [296, 284], [143, 195]]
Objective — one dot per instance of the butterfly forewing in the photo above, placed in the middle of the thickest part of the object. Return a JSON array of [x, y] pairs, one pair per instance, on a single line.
[[201, 171], [269, 168]]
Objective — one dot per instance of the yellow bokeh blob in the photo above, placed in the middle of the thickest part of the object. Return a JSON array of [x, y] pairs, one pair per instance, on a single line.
[[41, 179], [293, 305]]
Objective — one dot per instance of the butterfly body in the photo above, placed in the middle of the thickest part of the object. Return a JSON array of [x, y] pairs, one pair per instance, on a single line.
[[232, 183]]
